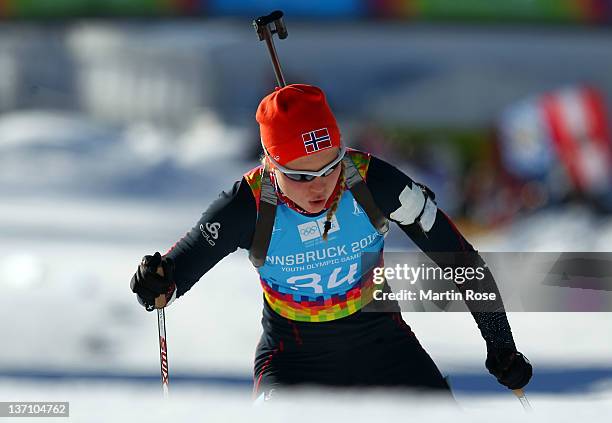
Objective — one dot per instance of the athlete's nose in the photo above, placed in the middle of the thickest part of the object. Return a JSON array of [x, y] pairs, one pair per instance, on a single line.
[[317, 185]]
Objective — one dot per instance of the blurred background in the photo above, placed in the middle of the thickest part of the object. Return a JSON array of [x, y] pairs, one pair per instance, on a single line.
[[121, 120]]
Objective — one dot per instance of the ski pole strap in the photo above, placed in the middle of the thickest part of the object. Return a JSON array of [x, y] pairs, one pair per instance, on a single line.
[[265, 221], [363, 196]]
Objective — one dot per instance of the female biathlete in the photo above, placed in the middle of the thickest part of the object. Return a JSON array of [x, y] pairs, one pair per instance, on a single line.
[[306, 215]]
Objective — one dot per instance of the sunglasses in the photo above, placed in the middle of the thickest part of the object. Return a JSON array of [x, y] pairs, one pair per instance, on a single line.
[[307, 175]]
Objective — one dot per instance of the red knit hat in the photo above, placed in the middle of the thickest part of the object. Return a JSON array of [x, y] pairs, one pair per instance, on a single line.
[[296, 121]]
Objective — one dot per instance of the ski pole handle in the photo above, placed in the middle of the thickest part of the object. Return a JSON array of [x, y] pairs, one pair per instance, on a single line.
[[266, 27], [160, 301]]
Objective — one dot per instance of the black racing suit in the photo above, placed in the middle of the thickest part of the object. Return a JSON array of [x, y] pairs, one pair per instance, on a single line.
[[362, 349]]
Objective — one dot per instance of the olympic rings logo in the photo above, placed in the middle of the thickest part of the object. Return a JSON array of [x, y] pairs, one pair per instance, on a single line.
[[309, 231]]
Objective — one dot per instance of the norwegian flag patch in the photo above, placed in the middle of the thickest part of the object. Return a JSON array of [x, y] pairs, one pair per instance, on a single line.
[[316, 140]]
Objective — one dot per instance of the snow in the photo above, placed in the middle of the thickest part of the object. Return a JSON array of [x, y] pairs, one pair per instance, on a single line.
[[50, 153], [110, 402]]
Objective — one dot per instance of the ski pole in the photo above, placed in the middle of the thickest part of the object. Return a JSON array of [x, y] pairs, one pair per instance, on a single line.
[[520, 394], [266, 27], [163, 344], [163, 350]]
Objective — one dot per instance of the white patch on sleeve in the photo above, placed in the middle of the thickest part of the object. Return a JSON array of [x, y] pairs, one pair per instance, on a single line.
[[429, 215], [412, 202]]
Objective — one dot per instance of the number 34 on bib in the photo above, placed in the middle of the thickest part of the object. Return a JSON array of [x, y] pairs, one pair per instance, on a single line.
[[314, 280]]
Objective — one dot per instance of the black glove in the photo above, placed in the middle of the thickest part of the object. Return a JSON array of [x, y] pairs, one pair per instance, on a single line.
[[510, 367], [148, 284]]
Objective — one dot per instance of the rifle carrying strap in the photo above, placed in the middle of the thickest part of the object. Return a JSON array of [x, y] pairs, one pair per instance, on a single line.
[[265, 220], [363, 196]]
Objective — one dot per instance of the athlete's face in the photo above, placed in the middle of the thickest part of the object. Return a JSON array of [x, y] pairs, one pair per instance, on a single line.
[[310, 196]]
